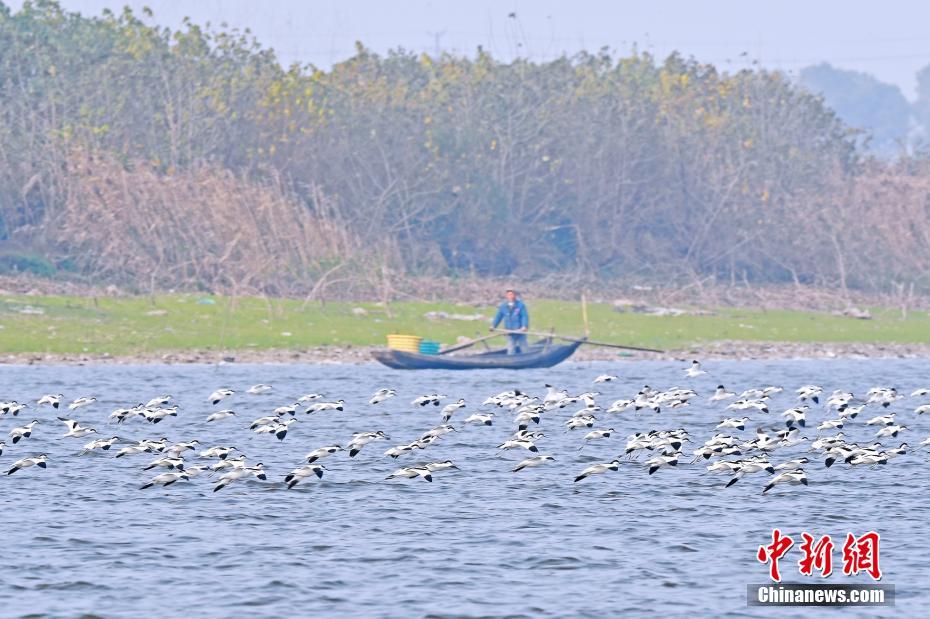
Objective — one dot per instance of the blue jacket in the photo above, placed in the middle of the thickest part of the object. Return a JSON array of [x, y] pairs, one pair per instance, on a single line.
[[514, 318]]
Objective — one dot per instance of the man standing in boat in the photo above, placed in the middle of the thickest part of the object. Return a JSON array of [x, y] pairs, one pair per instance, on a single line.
[[515, 317]]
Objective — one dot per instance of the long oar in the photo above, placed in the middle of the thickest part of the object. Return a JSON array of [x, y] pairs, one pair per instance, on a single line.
[[582, 340], [469, 343]]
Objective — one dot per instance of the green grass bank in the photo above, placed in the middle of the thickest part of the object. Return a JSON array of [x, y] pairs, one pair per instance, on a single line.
[[181, 322]]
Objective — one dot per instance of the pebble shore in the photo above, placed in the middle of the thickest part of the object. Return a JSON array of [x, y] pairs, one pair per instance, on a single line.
[[356, 355]]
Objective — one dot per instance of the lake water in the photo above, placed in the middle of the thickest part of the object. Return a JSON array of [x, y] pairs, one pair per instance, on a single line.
[[81, 537]]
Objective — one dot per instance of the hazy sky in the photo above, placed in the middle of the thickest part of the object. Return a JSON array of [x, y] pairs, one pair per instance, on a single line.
[[888, 38]]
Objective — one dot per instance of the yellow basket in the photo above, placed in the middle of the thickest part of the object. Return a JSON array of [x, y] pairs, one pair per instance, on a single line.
[[407, 343]]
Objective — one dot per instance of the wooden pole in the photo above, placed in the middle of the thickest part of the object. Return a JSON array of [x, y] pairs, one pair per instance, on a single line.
[[469, 343], [584, 314], [583, 340]]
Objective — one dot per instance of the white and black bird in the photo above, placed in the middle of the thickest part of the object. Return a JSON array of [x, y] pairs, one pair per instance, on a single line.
[[81, 402], [524, 418], [219, 395], [881, 420], [797, 476], [178, 449], [75, 429], [605, 378], [399, 450], [721, 394], [791, 464], [157, 415], [587, 411], [257, 471], [826, 442], [381, 395], [100, 443], [796, 416], [220, 415], [155, 445], [831, 424], [430, 398], [589, 399], [268, 420], [166, 479], [278, 428], [594, 435], [196, 469], [894, 452], [168, 462], [886, 396], [131, 450], [724, 466], [662, 460], [360, 439], [123, 414], [620, 406], [158, 401], [809, 392], [736, 423], [322, 452], [338, 405], [302, 472], [287, 409], [236, 462], [840, 399], [52, 400], [40, 461], [585, 421], [598, 469], [533, 462], [747, 467], [449, 409], [554, 397], [760, 405], [13, 407], [849, 412], [441, 466], [526, 435], [259, 389], [867, 458], [519, 444], [438, 431], [219, 451], [412, 472], [484, 419], [891, 430], [18, 434], [695, 370]]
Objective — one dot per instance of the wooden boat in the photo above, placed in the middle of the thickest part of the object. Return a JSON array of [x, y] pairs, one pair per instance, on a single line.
[[543, 354]]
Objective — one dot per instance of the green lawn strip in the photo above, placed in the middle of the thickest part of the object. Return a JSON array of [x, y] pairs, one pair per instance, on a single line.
[[177, 322]]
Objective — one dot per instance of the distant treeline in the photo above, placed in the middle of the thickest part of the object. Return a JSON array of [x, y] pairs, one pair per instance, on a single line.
[[133, 153], [891, 124]]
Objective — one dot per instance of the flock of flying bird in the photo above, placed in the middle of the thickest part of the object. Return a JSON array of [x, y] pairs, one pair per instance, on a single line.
[[730, 451]]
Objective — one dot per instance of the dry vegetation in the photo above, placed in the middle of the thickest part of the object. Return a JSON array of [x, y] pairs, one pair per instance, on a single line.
[[192, 228], [154, 159]]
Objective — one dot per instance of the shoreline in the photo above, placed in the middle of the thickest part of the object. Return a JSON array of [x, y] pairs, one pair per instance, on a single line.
[[354, 355]]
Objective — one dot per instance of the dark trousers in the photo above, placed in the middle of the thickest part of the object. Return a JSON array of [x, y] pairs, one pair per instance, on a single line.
[[516, 343]]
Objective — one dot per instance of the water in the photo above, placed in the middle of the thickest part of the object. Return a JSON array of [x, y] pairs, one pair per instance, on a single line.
[[81, 537]]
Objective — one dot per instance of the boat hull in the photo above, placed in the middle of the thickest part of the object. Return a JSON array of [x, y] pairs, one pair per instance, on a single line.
[[543, 357]]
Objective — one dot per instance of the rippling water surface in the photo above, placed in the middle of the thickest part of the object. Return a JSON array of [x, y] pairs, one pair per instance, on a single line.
[[81, 537]]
